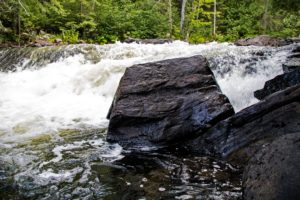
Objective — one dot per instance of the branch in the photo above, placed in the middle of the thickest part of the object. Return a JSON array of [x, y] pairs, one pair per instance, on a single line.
[[23, 7]]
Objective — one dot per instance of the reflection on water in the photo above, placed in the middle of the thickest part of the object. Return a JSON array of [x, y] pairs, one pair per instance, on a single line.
[[82, 165]]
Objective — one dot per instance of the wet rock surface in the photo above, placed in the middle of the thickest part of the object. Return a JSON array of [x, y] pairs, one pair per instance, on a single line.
[[12, 59], [290, 78], [263, 40], [273, 173], [293, 61], [147, 41], [240, 136], [280, 82], [166, 102]]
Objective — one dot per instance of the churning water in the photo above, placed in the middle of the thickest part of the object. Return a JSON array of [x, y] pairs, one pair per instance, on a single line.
[[53, 105]]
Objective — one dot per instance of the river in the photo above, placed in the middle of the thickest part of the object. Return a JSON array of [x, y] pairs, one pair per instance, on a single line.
[[53, 107]]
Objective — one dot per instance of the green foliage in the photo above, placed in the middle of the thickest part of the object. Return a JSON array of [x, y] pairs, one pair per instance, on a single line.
[[242, 21], [106, 21], [287, 26], [70, 36], [199, 21]]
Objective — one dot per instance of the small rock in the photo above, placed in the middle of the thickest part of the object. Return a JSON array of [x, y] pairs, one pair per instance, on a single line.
[[58, 40]]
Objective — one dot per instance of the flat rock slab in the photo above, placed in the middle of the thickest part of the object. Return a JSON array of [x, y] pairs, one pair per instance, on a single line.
[[166, 102], [274, 172]]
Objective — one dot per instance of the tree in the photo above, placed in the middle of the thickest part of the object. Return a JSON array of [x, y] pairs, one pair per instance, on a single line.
[[200, 26]]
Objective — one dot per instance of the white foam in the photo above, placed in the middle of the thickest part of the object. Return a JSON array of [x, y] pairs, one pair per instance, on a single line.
[[58, 151], [73, 92], [47, 177]]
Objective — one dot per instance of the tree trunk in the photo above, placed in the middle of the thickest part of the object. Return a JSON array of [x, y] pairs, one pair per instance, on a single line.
[[215, 18], [19, 27], [183, 4], [170, 19], [265, 16]]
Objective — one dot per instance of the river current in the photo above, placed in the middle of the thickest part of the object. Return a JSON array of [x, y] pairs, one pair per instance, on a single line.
[[53, 107]]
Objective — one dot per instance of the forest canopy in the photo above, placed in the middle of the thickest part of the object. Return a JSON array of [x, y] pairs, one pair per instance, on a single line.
[[106, 21]]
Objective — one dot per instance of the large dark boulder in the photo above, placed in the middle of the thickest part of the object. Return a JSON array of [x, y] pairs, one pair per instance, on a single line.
[[263, 40], [166, 102], [240, 136], [274, 172], [280, 82]]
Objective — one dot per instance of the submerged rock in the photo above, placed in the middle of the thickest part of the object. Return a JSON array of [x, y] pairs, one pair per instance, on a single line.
[[273, 173], [263, 40], [166, 102], [240, 136]]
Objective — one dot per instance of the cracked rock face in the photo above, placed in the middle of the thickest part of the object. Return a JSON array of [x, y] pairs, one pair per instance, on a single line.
[[166, 102]]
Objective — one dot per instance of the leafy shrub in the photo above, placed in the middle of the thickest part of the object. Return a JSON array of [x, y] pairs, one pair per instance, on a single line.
[[70, 36]]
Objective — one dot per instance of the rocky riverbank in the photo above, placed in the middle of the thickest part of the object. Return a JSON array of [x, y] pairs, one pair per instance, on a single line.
[[177, 103]]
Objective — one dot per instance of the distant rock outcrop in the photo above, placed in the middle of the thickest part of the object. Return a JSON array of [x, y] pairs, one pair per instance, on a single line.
[[263, 40], [166, 102], [147, 41]]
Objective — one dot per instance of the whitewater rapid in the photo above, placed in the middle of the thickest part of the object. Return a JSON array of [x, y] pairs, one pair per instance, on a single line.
[[53, 107], [76, 92]]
